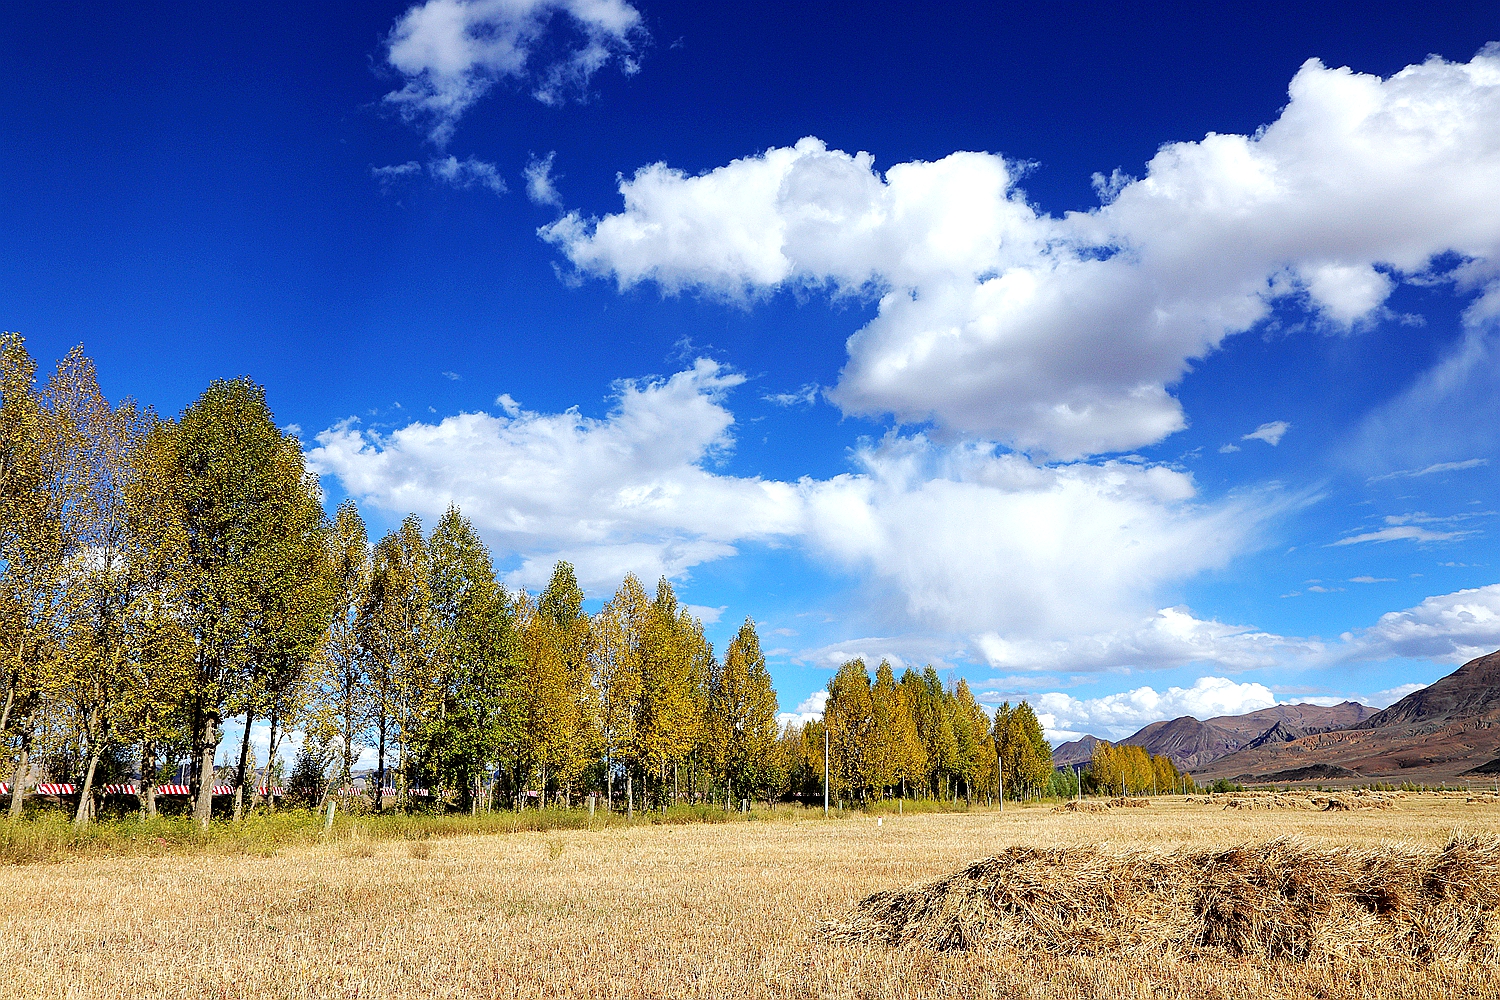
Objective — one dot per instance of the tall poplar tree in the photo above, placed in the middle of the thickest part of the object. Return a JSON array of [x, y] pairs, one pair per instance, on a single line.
[[257, 599], [102, 580], [473, 647], [615, 666], [343, 705], [849, 716], [741, 724], [675, 661], [34, 490], [396, 629]]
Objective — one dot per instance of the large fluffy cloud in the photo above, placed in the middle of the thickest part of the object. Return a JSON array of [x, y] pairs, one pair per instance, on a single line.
[[452, 51], [1118, 715], [1062, 335], [1450, 628], [960, 539], [627, 492]]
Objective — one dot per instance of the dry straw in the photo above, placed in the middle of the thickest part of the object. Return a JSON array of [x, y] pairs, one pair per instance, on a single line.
[[1283, 899], [1082, 806]]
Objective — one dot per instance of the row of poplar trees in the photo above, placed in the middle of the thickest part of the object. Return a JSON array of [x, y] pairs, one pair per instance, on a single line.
[[159, 577], [918, 737]]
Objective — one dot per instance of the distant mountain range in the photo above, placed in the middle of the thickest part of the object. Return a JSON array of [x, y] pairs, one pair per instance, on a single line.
[[1193, 744], [1449, 730]]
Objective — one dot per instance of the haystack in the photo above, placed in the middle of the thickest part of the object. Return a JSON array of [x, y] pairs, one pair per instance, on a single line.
[[1081, 806], [1269, 802], [1285, 899], [1123, 803], [1337, 803]]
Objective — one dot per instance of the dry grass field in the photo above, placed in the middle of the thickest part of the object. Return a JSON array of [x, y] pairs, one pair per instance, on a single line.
[[663, 911]]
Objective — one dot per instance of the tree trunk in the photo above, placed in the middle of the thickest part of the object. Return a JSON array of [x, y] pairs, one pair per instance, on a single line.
[[203, 808], [239, 782], [18, 780], [271, 760], [10, 699], [380, 770], [147, 791], [86, 793]]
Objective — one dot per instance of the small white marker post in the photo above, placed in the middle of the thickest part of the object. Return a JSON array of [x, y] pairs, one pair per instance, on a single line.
[[328, 823]]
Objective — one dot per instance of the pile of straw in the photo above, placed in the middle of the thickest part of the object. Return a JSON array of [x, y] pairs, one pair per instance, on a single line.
[[1285, 899], [1127, 803], [1269, 802], [1082, 806], [1343, 803]]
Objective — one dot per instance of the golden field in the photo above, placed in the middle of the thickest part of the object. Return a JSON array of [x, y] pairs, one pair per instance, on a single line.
[[724, 910]]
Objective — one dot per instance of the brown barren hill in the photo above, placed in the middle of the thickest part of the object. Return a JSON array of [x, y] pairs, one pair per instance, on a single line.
[[1445, 730], [1187, 741], [1079, 751], [1192, 743]]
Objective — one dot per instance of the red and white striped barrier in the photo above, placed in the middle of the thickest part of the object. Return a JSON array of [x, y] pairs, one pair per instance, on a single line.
[[60, 789]]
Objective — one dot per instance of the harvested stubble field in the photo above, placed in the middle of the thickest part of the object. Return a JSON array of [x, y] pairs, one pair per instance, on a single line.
[[729, 910]]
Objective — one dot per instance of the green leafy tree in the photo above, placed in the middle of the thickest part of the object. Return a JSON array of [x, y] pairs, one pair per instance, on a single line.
[[396, 631], [35, 489], [473, 643], [342, 706], [257, 602]]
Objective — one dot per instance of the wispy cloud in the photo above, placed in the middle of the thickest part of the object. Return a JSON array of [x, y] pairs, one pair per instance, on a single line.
[[1372, 579], [1270, 433], [387, 176], [1472, 463], [467, 173], [1400, 533], [805, 396], [452, 52]]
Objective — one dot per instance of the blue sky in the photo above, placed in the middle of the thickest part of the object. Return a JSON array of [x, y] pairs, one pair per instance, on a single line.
[[1118, 358]]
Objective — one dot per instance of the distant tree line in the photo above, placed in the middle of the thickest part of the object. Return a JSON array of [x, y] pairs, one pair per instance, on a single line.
[[159, 577], [1130, 770]]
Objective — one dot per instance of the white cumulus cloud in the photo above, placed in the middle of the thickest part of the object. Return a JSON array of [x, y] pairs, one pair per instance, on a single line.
[[1062, 335], [451, 52], [1449, 628], [810, 709], [963, 539], [625, 492], [1116, 716], [541, 187]]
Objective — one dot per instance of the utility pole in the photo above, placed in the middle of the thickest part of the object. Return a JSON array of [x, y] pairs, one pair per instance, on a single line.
[[825, 765]]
